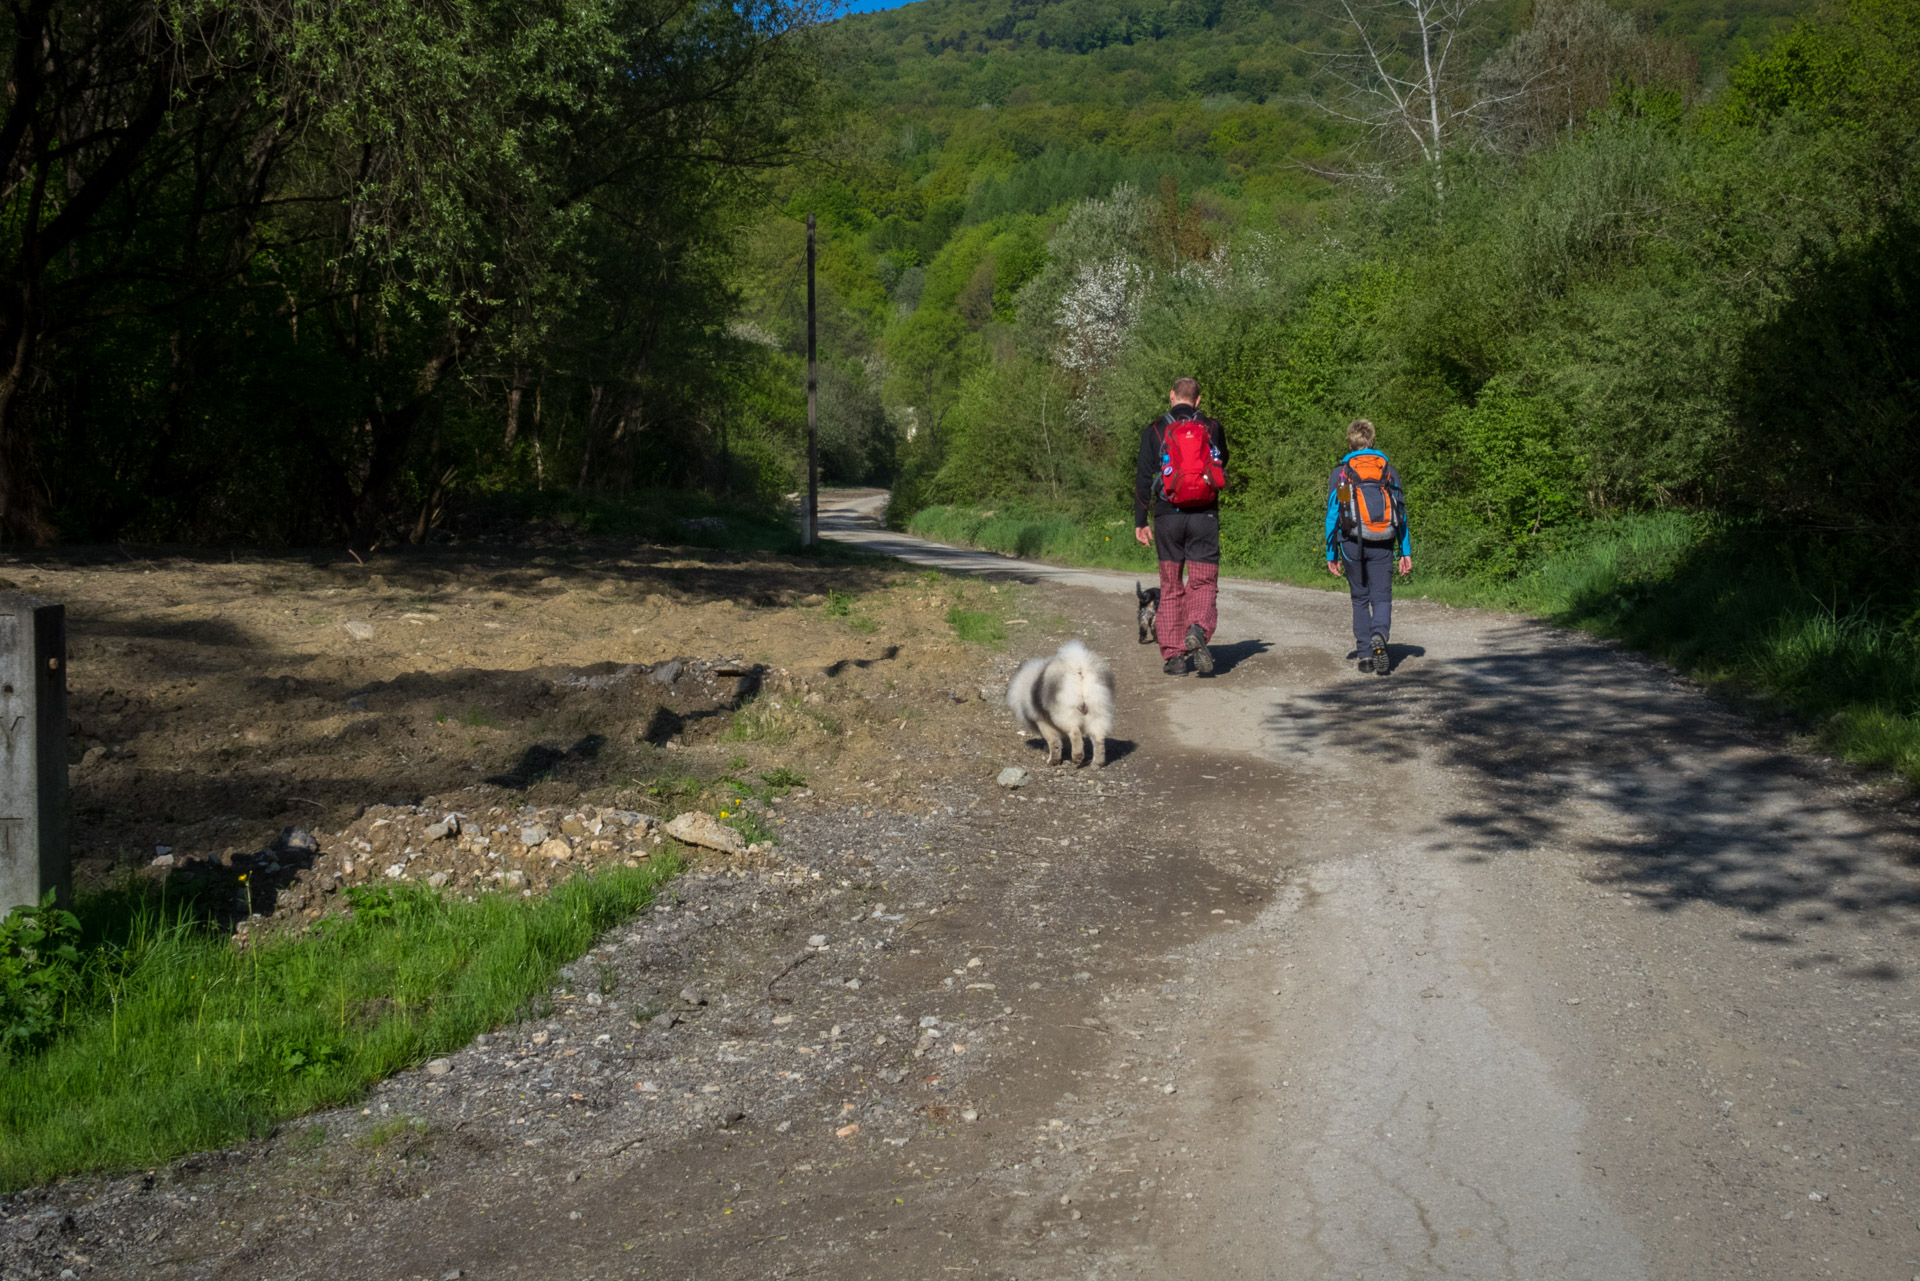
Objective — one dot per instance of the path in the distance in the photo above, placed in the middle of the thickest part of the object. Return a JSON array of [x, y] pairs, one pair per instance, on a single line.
[[1570, 974]]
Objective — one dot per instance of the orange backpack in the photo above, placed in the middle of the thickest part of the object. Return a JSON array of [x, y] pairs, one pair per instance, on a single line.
[[1372, 509]]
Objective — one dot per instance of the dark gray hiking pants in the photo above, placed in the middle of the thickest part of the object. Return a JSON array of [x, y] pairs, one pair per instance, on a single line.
[[1370, 582]]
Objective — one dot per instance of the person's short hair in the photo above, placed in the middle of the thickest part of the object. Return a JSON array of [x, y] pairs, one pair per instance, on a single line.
[[1360, 434], [1187, 391]]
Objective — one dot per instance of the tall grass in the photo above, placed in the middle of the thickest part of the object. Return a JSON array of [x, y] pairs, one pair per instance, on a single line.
[[1815, 634], [181, 1041], [1763, 612], [1102, 541]]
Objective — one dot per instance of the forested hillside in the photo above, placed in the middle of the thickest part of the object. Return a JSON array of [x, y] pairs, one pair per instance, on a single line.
[[1630, 297]]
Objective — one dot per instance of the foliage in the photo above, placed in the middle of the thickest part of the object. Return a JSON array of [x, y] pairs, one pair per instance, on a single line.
[[39, 973], [294, 272], [175, 1039], [1652, 349], [1667, 306]]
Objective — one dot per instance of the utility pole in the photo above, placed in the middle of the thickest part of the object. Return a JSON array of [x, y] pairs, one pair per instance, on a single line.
[[810, 531], [33, 752]]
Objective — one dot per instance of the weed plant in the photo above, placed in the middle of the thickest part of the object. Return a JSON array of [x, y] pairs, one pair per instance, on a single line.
[[977, 626], [982, 616], [170, 1038], [845, 607], [758, 721], [734, 792]]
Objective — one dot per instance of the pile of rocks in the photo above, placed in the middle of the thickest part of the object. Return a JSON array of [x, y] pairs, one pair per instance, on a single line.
[[524, 848], [458, 845]]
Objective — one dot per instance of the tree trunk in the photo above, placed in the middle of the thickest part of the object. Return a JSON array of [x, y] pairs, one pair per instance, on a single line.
[[595, 399], [514, 395], [392, 433], [23, 514]]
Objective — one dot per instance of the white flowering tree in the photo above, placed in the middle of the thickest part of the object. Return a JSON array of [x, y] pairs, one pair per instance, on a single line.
[[1096, 312], [1081, 305]]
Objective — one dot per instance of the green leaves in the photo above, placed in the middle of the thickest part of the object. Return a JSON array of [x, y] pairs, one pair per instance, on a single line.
[[40, 968], [1525, 480]]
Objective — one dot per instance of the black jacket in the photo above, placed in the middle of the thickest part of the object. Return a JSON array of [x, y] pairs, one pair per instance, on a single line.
[[1147, 498]]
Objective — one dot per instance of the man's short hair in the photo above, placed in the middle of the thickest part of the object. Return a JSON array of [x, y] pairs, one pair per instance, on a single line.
[[1360, 434], [1187, 391]]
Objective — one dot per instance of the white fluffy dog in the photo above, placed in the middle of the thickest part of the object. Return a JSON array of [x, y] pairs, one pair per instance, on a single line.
[[1068, 696]]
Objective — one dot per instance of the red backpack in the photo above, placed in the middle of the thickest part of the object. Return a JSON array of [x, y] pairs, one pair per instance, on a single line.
[[1190, 471]]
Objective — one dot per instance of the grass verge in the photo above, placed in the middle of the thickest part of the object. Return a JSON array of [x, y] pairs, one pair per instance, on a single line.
[[173, 1040], [1103, 542], [1756, 612]]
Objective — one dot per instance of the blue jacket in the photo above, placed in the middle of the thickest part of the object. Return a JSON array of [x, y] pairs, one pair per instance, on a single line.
[[1405, 547]]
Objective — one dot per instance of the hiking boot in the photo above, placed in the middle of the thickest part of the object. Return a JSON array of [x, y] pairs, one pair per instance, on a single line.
[[1366, 664], [1177, 666], [1197, 649], [1381, 663]]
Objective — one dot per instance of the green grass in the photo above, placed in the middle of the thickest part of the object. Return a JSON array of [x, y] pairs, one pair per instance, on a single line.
[[1755, 612], [758, 721], [733, 791], [1105, 541], [845, 607], [179, 1041], [982, 613], [1765, 614], [977, 626]]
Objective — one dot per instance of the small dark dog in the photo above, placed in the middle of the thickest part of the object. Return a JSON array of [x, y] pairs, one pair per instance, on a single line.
[[1148, 602]]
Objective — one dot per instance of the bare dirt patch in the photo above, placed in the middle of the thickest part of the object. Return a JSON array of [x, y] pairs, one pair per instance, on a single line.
[[764, 1073], [218, 703]]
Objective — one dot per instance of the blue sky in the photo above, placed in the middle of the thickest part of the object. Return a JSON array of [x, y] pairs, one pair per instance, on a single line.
[[868, 6]]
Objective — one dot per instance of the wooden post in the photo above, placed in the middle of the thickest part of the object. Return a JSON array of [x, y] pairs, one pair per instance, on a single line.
[[33, 750], [811, 530]]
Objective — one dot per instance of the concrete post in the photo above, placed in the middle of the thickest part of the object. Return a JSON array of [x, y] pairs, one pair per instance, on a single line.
[[33, 750]]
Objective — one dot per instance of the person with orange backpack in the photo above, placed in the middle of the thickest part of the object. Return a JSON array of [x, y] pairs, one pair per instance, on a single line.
[[1366, 529], [1182, 469]]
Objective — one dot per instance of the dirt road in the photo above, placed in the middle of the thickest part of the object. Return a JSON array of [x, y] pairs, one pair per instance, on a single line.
[[1529, 961], [1568, 973]]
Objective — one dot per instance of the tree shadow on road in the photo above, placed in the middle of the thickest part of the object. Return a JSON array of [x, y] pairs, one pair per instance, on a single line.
[[1568, 743]]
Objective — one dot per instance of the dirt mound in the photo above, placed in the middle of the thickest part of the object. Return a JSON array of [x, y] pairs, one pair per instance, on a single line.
[[463, 844], [218, 703]]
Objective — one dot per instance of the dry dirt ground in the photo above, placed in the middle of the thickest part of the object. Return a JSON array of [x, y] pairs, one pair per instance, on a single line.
[[1528, 961]]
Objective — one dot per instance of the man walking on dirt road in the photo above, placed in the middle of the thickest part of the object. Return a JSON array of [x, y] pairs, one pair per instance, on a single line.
[[1182, 469], [1366, 529]]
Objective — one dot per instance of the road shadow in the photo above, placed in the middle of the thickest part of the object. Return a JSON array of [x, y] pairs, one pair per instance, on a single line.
[[1565, 742], [1231, 655], [1397, 655], [1118, 749]]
